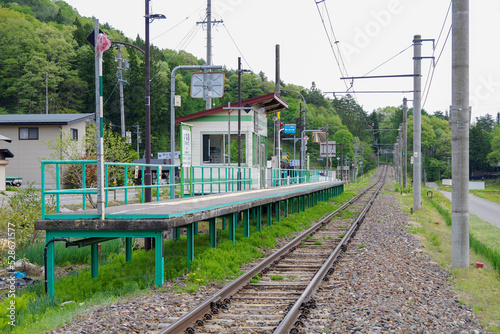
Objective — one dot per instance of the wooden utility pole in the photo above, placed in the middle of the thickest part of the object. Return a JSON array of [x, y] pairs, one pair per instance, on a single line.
[[460, 124]]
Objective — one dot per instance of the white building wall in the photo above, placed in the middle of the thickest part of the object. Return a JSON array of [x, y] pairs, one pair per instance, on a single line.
[[218, 124]]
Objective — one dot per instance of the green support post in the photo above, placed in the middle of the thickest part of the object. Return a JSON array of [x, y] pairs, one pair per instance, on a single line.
[[246, 223], [195, 228], [292, 206], [159, 260], [51, 277], [94, 260], [212, 227], [128, 249], [303, 197], [278, 211], [286, 208], [259, 217], [269, 214], [233, 218], [190, 244], [177, 233]]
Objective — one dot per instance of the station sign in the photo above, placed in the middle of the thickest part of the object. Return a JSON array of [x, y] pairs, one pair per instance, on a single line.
[[290, 128]]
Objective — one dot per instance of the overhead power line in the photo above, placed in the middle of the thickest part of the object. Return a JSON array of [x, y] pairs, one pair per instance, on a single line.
[[332, 39]]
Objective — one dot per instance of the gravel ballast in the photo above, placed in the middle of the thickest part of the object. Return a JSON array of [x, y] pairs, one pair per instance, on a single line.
[[385, 283]]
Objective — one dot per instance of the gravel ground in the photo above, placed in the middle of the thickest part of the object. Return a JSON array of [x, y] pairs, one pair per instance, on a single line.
[[389, 286]]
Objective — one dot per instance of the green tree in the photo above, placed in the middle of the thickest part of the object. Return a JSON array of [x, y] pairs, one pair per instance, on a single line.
[[479, 148], [116, 149]]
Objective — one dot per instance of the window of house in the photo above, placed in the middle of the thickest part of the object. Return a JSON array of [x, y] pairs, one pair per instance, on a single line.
[[28, 133], [74, 134], [215, 148]]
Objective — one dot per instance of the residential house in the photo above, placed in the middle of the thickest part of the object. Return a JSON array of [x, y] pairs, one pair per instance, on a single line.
[[30, 134]]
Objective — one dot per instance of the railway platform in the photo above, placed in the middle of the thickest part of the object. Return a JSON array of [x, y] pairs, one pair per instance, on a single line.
[[152, 219]]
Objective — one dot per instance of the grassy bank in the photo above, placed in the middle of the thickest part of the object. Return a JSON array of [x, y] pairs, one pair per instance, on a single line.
[[36, 314], [479, 288]]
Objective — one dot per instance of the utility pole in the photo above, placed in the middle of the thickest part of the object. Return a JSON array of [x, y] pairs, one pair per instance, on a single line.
[[277, 91], [405, 140], [121, 81], [138, 130], [209, 44], [460, 123], [355, 167], [239, 122], [417, 121], [209, 23], [47, 92]]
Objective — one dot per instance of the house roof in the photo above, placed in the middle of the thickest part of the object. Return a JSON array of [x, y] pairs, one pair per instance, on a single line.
[[43, 119], [6, 153], [272, 103], [7, 139]]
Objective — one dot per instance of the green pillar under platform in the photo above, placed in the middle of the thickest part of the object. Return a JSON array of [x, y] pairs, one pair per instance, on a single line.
[[212, 227]]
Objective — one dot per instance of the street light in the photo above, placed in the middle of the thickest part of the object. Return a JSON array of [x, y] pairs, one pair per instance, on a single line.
[[148, 18], [147, 176]]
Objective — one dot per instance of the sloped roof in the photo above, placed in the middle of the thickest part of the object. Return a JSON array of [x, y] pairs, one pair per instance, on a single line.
[[272, 103], [43, 119], [7, 139], [6, 153]]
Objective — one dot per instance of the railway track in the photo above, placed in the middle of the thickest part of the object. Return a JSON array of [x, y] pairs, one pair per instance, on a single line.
[[277, 295]]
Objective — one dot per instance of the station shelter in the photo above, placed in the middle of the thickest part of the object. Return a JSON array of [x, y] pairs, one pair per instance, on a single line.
[[215, 130]]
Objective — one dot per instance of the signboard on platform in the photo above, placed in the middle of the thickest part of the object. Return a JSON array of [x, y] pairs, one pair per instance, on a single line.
[[186, 142]]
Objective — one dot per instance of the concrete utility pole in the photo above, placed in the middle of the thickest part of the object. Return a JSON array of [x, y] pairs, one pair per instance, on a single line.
[[120, 80], [460, 123], [138, 130], [47, 92], [405, 140], [355, 167], [209, 43], [417, 121], [277, 91]]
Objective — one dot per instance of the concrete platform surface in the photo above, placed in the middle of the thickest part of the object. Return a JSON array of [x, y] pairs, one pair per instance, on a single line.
[[177, 212]]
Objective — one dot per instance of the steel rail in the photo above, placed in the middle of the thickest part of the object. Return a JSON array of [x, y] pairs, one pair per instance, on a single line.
[[289, 321], [203, 310]]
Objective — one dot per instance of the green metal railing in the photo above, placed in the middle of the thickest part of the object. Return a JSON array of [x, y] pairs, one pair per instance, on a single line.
[[201, 180], [211, 179], [285, 177]]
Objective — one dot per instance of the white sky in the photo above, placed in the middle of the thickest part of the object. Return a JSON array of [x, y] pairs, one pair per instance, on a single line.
[[369, 32]]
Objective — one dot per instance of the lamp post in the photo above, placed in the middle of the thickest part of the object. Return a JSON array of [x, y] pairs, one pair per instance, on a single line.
[[148, 18], [147, 176]]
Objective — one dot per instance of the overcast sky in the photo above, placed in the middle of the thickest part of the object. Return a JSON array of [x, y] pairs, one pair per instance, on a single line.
[[369, 33]]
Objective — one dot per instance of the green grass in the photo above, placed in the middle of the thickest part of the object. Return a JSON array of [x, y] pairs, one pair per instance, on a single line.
[[119, 278], [317, 243], [277, 278], [68, 256], [478, 288]]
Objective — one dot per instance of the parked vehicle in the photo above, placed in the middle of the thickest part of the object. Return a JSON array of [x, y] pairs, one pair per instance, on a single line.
[[13, 181]]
